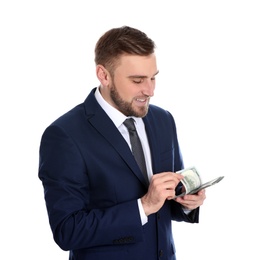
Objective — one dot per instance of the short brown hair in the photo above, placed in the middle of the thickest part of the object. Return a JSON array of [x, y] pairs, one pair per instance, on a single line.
[[119, 41]]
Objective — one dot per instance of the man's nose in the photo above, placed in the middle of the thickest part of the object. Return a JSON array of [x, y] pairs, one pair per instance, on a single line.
[[149, 88]]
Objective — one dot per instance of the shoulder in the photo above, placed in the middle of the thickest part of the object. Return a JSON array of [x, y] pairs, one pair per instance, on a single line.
[[70, 117], [159, 115], [78, 113], [65, 124]]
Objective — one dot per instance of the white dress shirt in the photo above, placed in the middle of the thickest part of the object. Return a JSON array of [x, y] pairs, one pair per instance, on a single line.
[[118, 119]]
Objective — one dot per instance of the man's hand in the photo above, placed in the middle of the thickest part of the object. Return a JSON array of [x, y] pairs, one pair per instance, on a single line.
[[162, 187], [192, 201]]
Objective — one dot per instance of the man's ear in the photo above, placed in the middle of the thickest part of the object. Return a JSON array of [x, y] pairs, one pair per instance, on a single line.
[[102, 75]]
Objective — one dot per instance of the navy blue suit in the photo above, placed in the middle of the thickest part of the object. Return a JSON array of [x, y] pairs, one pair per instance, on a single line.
[[92, 182]]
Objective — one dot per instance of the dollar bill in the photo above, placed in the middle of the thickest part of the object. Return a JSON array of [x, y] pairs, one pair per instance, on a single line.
[[192, 181]]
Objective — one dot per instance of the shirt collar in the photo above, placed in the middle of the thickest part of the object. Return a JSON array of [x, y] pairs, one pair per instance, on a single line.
[[116, 116]]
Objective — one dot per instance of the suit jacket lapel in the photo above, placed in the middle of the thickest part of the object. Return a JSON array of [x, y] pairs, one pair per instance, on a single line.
[[104, 125]]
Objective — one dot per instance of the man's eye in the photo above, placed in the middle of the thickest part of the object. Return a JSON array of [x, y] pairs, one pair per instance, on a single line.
[[137, 81]]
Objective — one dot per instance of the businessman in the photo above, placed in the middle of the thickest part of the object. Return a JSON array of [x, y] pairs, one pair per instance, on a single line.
[[108, 166]]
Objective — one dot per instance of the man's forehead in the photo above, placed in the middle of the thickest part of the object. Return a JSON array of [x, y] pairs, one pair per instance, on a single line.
[[136, 65]]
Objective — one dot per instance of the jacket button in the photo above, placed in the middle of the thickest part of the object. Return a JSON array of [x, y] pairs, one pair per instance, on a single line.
[[158, 216], [160, 253]]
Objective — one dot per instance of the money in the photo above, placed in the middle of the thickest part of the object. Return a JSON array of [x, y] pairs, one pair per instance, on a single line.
[[193, 183], [191, 179]]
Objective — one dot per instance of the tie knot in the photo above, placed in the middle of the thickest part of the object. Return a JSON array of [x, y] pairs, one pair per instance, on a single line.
[[130, 125]]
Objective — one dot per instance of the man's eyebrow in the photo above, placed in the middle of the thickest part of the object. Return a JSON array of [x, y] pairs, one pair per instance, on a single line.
[[141, 76]]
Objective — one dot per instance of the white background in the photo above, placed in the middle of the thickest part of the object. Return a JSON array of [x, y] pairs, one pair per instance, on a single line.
[[209, 61]]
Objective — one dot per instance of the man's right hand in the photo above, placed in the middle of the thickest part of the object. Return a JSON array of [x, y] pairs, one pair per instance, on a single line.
[[162, 187]]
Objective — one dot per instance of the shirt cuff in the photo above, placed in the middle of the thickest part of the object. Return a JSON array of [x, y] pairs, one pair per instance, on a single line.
[[143, 216], [186, 211]]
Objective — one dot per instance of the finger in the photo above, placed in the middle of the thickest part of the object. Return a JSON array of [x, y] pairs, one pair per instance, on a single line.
[[202, 192]]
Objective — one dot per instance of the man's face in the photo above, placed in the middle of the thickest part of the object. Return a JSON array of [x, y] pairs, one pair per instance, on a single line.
[[133, 84]]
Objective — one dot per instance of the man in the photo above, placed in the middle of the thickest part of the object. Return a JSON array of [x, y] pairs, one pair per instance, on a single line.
[[99, 203]]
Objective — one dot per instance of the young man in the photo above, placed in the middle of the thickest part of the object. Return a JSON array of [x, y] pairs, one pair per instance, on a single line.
[[99, 202]]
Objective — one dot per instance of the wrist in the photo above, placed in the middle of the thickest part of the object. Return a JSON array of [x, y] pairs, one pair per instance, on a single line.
[[146, 206]]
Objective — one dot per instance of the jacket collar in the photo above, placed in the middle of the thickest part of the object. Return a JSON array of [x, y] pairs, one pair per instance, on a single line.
[[98, 118]]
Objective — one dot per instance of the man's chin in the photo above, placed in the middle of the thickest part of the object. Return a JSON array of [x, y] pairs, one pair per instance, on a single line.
[[141, 112]]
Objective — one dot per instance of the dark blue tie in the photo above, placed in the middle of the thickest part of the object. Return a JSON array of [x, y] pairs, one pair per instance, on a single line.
[[137, 149]]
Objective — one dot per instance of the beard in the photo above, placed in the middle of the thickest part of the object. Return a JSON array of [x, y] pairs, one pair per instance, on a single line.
[[125, 107]]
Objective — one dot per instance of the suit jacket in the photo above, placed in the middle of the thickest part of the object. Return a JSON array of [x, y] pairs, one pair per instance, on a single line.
[[92, 182]]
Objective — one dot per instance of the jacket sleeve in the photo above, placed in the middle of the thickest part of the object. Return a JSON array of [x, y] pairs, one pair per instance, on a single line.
[[179, 215], [74, 224]]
